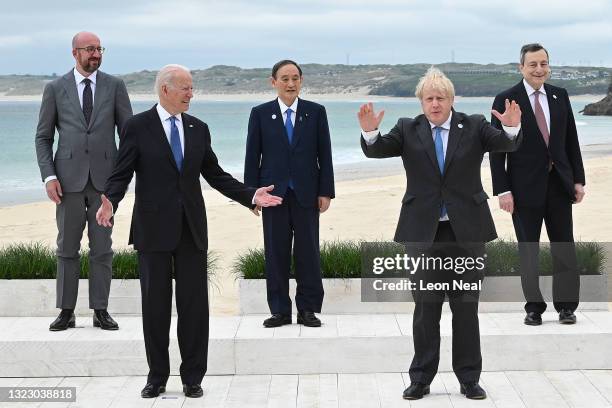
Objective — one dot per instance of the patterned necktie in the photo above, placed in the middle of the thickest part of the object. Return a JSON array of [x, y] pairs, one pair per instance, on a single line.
[[289, 126], [440, 156], [540, 118], [175, 143], [87, 100]]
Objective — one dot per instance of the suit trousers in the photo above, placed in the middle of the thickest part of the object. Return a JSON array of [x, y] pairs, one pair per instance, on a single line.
[[74, 211], [187, 265], [466, 360], [284, 225], [557, 216]]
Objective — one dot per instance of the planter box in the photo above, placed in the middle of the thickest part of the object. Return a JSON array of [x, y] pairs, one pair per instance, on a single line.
[[499, 294], [36, 297]]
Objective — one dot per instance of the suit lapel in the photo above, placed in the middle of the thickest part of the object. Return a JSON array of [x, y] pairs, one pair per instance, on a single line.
[[527, 111], [425, 135], [454, 137], [276, 117], [300, 121], [158, 135], [553, 110], [71, 90], [188, 132], [524, 103], [101, 94]]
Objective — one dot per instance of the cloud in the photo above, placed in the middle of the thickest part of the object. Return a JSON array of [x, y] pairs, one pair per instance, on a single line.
[[148, 34]]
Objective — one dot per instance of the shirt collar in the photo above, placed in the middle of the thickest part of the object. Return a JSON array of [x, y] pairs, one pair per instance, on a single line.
[[446, 125], [79, 78], [164, 115], [284, 107], [530, 89]]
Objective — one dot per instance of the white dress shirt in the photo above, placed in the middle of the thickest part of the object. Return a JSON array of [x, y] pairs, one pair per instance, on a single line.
[[371, 136], [164, 116], [543, 101], [283, 109], [81, 85]]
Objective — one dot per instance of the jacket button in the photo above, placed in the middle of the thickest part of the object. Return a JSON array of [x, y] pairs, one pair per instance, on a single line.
[[86, 151]]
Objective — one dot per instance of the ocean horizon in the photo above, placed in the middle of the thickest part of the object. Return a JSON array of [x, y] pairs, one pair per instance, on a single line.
[[228, 120]]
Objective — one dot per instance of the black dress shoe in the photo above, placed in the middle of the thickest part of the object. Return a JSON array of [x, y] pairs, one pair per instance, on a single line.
[[193, 390], [416, 391], [277, 320], [152, 390], [473, 391], [104, 321], [566, 316], [63, 321], [533, 319], [308, 319]]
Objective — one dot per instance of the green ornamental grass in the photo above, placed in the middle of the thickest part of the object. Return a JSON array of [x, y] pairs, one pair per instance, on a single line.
[[35, 260], [342, 259]]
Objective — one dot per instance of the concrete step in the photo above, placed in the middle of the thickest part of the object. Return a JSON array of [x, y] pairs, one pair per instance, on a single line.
[[344, 344]]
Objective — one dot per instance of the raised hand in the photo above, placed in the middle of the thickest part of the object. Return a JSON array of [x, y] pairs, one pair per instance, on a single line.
[[105, 213], [265, 199], [511, 116], [368, 119]]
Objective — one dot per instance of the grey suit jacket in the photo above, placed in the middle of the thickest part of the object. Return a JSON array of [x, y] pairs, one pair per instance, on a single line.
[[81, 150]]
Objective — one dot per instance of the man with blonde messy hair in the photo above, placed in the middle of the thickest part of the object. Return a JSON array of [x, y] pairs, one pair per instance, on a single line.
[[444, 202]]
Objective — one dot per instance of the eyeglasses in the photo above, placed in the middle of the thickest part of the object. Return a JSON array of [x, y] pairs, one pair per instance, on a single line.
[[91, 49]]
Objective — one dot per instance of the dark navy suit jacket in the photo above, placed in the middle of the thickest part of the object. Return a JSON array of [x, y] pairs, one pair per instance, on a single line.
[[270, 159]]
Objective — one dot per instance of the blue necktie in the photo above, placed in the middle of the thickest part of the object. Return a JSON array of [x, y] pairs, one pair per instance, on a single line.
[[440, 157], [289, 129], [289, 126], [175, 143]]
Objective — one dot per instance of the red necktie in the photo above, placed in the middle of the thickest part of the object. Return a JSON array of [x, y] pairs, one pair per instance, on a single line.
[[540, 118]]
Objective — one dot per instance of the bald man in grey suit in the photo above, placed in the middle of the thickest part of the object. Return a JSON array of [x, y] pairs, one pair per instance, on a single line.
[[85, 106]]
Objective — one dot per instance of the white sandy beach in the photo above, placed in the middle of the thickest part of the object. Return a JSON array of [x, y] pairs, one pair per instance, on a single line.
[[364, 208]]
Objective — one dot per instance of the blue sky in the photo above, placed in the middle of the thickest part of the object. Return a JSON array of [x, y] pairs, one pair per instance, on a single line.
[[35, 35]]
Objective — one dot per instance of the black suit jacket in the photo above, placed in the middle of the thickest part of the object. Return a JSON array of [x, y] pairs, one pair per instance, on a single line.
[[163, 193], [526, 174], [460, 187], [307, 161]]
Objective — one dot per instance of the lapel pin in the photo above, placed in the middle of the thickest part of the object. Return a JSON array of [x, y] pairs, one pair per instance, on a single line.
[[460, 125], [300, 118], [554, 96], [190, 126], [273, 116], [306, 116]]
